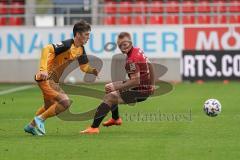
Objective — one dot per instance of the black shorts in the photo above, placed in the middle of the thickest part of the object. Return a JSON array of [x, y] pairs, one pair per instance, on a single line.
[[133, 96]]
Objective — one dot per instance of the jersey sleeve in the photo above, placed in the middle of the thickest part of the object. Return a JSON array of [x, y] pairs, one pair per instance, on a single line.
[[62, 46], [46, 51], [83, 62], [83, 59], [132, 67]]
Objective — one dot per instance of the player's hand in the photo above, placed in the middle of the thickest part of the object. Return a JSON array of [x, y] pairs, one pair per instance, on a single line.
[[42, 75], [109, 88], [95, 72]]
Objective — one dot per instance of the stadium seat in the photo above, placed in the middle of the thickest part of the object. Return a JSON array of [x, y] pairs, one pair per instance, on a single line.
[[172, 7], [155, 19], [110, 20], [3, 8], [17, 8], [123, 20], [139, 19], [3, 21], [124, 7], [139, 7], [219, 6], [188, 6], [235, 6], [15, 21], [234, 19], [110, 7], [219, 19], [156, 7], [172, 19], [188, 19], [203, 6], [203, 19]]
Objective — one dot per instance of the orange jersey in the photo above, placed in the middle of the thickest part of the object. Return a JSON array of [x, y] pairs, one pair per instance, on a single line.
[[56, 57]]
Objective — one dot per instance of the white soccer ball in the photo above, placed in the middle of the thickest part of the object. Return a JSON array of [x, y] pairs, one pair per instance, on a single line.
[[72, 80], [212, 107]]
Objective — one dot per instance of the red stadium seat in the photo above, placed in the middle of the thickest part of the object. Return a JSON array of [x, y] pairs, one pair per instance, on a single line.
[[17, 8], [3, 8], [154, 19], [234, 19], [188, 6], [3, 21], [124, 7], [235, 6], [110, 20], [172, 6], [139, 7], [203, 6], [204, 19], [156, 7], [172, 19], [219, 6], [219, 19], [110, 7], [123, 20], [15, 21], [139, 20], [188, 19]]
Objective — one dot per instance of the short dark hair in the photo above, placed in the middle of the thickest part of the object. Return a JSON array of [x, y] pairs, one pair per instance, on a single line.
[[81, 26], [124, 34]]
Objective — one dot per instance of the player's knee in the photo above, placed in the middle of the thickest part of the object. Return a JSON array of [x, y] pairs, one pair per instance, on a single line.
[[63, 100], [66, 103], [109, 98]]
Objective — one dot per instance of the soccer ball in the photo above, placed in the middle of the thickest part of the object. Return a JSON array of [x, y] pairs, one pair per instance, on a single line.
[[212, 107]]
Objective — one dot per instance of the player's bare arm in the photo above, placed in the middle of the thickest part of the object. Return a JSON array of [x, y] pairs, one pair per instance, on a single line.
[[132, 82], [110, 87], [120, 85]]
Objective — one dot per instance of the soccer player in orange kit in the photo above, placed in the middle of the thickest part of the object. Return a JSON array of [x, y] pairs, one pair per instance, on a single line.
[[54, 59]]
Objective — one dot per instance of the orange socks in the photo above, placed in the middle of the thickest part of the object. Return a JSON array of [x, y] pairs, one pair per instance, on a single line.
[[40, 110]]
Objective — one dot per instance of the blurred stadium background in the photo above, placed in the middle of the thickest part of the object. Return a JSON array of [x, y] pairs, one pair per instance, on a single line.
[[164, 29], [115, 12], [197, 40]]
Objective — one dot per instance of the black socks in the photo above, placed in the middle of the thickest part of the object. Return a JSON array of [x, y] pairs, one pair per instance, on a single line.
[[115, 113], [101, 112]]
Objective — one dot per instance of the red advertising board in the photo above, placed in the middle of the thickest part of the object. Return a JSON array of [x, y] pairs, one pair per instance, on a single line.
[[212, 38]]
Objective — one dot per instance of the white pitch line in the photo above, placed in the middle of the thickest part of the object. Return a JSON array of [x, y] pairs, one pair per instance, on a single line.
[[12, 90]]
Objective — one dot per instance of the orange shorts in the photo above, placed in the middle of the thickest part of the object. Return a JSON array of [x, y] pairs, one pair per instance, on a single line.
[[50, 89]]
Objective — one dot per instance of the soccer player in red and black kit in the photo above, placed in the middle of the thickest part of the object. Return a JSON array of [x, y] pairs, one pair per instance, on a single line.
[[137, 88]]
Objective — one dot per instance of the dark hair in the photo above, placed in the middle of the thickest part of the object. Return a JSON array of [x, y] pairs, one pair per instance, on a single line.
[[124, 34], [81, 26]]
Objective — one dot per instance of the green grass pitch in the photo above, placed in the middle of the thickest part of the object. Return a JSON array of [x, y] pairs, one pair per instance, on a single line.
[[190, 136]]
